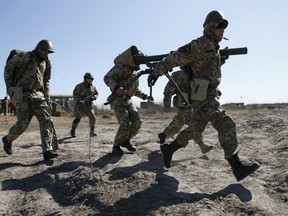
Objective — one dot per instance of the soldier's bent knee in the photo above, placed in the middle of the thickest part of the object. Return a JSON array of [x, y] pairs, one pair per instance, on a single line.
[[226, 124]]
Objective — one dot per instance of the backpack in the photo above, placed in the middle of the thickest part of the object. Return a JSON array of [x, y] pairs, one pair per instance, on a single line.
[[15, 93], [23, 66], [13, 53]]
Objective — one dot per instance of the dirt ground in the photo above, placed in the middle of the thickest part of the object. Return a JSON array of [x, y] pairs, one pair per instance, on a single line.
[[88, 180]]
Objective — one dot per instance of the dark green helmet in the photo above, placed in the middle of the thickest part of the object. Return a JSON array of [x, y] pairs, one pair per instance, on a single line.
[[88, 76], [216, 15], [45, 45]]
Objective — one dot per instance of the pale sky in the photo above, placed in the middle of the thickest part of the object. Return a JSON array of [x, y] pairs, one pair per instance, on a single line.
[[87, 35]]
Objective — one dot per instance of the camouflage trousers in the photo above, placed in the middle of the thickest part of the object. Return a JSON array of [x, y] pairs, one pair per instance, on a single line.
[[210, 111], [128, 119], [180, 119], [82, 111], [25, 111]]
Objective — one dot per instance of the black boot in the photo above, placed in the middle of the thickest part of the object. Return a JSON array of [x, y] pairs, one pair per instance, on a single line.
[[162, 136], [241, 170], [72, 132], [48, 155], [74, 126], [168, 150], [129, 147], [117, 150], [92, 132], [7, 146]]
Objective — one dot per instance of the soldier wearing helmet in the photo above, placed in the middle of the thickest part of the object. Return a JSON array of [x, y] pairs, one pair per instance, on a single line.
[[202, 56], [124, 70], [27, 75], [84, 94], [45, 45]]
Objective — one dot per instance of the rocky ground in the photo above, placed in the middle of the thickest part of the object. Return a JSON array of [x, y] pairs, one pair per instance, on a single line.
[[88, 180]]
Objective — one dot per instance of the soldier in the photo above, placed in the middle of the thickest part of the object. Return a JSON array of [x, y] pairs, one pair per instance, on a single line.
[[12, 107], [202, 55], [3, 106], [127, 115], [84, 94], [31, 72], [184, 112]]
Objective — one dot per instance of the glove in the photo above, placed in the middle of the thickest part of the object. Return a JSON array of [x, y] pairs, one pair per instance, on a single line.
[[152, 80], [91, 99], [224, 58], [149, 98]]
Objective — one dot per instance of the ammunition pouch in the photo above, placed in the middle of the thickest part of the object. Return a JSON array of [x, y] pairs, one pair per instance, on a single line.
[[178, 100], [199, 88], [15, 94]]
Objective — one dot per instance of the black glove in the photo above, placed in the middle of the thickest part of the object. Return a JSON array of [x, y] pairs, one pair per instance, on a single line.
[[91, 99], [224, 58], [151, 80]]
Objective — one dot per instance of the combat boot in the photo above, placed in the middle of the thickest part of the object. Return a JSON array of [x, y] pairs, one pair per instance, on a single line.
[[241, 170], [204, 147], [7, 145], [129, 147], [168, 150], [48, 155], [72, 132], [162, 136], [92, 132], [117, 150]]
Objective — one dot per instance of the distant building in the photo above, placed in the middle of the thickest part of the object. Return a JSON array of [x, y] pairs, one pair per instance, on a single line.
[[65, 101]]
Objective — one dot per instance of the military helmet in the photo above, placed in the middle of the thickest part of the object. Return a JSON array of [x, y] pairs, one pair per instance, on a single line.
[[88, 76], [216, 15], [46, 45]]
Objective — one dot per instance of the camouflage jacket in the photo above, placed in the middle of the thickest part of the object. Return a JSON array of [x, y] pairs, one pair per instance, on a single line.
[[182, 79], [202, 56], [119, 76], [26, 71], [82, 91]]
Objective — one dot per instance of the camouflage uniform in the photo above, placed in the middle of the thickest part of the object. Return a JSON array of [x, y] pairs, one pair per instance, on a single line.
[[127, 115], [80, 92], [182, 79], [184, 113], [33, 74], [203, 57]]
